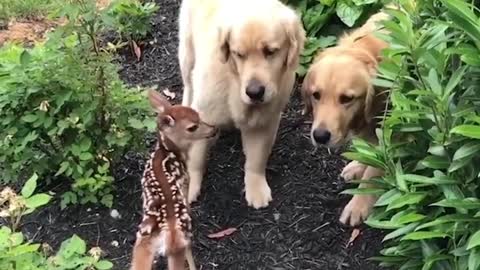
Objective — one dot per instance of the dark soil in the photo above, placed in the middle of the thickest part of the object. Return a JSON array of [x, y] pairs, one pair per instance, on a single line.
[[300, 228]]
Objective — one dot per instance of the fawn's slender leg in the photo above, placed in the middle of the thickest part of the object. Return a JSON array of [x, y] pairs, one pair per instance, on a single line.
[[190, 260], [143, 255], [257, 146]]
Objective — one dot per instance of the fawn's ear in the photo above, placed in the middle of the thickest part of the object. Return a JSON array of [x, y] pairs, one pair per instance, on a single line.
[[159, 103]]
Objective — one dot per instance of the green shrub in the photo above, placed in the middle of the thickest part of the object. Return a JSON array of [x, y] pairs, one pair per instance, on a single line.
[[430, 141], [22, 9], [131, 18], [316, 14], [16, 253], [64, 113]]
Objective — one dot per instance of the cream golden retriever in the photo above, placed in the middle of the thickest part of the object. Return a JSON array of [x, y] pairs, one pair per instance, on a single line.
[[238, 61], [338, 89]]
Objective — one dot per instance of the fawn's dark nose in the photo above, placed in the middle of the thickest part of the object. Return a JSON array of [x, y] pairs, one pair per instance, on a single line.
[[255, 90], [321, 135]]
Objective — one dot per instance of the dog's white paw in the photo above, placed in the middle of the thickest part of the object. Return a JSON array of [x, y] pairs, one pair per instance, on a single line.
[[353, 170], [257, 191], [194, 186], [357, 210]]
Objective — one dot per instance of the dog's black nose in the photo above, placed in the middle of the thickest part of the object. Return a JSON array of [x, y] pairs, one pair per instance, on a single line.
[[321, 136], [255, 90]]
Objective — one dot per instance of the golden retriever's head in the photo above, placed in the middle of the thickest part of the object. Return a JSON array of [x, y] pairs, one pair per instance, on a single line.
[[262, 45], [338, 90]]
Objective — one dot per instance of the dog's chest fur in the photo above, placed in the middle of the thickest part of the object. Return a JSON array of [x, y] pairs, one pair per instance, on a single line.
[[163, 184]]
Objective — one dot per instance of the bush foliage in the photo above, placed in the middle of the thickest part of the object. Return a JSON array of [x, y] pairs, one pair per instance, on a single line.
[[64, 113], [16, 253], [430, 140], [317, 14]]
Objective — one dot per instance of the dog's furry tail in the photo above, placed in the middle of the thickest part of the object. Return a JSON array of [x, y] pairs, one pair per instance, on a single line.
[[371, 26]]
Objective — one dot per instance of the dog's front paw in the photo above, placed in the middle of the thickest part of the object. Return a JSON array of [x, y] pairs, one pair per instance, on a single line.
[[357, 210], [257, 191], [194, 186], [353, 170]]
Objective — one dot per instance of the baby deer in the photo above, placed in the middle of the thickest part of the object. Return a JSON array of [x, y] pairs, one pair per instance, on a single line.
[[166, 227]]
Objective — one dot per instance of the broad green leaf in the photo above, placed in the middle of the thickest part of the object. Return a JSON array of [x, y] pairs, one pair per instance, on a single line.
[[470, 131], [354, 191], [468, 203], [85, 144], [455, 79], [474, 240], [401, 231], [407, 199], [427, 180], [86, 156], [434, 82], [30, 186], [447, 219], [348, 13], [388, 197], [385, 225], [74, 245], [135, 123], [103, 265], [467, 150], [30, 118], [474, 259], [435, 162], [37, 200], [423, 235], [25, 58], [63, 167]]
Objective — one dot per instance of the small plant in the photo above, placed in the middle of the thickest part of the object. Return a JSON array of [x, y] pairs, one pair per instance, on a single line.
[[13, 207], [429, 143], [16, 253], [64, 112], [131, 19]]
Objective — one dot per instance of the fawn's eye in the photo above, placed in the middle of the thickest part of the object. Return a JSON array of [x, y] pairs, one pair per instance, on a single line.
[[345, 99], [316, 95], [192, 128], [269, 51]]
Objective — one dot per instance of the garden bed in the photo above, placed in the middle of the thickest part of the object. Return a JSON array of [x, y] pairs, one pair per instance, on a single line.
[[299, 229]]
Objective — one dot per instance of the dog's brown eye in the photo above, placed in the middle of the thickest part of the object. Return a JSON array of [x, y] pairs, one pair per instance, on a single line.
[[344, 99], [269, 51], [192, 128], [239, 55], [316, 95]]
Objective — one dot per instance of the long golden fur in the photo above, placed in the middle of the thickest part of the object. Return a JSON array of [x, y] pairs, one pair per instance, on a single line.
[[238, 60], [338, 89]]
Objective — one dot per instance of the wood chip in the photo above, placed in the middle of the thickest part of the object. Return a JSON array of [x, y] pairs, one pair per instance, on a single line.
[[222, 233]]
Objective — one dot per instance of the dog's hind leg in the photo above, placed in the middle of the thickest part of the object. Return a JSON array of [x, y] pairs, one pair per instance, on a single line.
[[186, 53]]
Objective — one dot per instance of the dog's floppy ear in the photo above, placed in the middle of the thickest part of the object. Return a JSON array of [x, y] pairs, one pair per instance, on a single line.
[[296, 39], [306, 94], [369, 104], [224, 42], [369, 60]]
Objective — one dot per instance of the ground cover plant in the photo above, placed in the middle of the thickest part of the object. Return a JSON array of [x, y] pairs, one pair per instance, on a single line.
[[429, 143], [65, 113], [26, 9], [16, 253]]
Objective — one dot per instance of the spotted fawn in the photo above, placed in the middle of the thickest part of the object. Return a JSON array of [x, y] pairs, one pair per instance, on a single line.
[[166, 227]]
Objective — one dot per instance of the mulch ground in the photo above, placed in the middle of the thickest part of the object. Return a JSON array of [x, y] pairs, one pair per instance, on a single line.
[[300, 228]]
